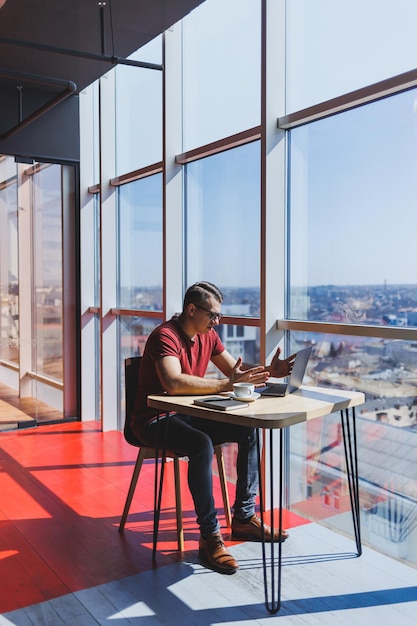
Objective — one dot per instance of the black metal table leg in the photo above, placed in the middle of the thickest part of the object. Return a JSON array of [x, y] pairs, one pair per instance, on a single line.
[[351, 456], [272, 583], [272, 573]]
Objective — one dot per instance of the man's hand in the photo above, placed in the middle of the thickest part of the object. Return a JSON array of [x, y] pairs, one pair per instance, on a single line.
[[255, 375], [281, 367]]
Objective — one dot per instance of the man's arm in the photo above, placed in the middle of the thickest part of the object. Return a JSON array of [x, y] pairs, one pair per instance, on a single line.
[[175, 382], [278, 367]]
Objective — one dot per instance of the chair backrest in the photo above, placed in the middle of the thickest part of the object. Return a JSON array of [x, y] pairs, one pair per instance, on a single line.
[[132, 365]]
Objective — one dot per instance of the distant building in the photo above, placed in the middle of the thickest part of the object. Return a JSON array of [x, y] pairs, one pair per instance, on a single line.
[[411, 318], [237, 339]]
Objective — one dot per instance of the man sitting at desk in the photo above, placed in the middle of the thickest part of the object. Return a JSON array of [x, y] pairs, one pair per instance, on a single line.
[[175, 361]]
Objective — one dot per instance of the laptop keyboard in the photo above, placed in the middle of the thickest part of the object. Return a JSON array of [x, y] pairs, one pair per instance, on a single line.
[[275, 388]]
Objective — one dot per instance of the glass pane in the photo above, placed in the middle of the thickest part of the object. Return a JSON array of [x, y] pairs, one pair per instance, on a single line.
[[96, 244], [337, 47], [133, 334], [140, 244], [9, 287], [47, 272], [139, 111], [241, 341], [96, 132], [223, 226], [96, 379], [386, 372], [353, 216], [221, 70]]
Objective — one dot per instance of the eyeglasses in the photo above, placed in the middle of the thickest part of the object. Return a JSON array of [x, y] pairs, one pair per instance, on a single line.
[[212, 314]]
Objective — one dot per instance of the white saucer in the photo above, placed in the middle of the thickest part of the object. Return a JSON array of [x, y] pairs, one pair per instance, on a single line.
[[251, 398]]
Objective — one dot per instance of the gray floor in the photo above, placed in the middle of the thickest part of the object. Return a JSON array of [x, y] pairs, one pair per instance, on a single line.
[[323, 583]]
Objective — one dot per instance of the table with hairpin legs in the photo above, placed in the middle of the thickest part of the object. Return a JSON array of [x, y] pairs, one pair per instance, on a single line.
[[277, 414]]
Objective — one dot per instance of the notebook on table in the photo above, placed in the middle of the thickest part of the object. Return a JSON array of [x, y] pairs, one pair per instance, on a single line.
[[279, 390], [220, 403]]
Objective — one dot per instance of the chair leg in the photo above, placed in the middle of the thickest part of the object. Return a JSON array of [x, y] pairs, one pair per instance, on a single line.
[[157, 501], [178, 505], [158, 488], [158, 484], [223, 484], [133, 483]]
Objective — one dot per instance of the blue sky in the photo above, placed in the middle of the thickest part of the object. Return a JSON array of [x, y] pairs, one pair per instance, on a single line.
[[354, 196]]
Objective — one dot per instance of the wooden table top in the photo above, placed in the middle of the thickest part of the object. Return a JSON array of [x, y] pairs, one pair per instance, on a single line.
[[265, 412]]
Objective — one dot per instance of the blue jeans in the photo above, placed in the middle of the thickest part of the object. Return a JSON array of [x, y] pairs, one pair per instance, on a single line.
[[195, 438]]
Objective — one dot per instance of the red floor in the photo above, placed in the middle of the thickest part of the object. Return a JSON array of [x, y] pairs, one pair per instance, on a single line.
[[63, 489]]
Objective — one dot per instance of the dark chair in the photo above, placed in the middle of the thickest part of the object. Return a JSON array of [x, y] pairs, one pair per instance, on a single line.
[[132, 365]]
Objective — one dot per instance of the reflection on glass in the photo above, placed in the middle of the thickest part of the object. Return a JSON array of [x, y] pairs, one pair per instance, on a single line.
[[353, 217], [223, 226], [384, 45], [386, 372], [47, 272], [140, 244], [9, 287], [221, 70]]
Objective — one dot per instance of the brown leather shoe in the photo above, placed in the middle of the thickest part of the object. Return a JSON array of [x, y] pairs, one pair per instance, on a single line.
[[252, 530], [213, 553]]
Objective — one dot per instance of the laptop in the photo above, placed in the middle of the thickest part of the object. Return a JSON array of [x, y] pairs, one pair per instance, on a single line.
[[279, 390]]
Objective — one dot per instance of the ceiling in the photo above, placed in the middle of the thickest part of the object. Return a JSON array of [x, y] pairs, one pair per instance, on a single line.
[[52, 49]]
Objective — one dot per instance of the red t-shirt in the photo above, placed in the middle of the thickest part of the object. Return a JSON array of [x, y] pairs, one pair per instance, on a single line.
[[169, 339]]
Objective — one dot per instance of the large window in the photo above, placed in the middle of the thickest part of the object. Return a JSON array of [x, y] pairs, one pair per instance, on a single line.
[[385, 371], [139, 111], [9, 284], [201, 143], [222, 70], [140, 273], [47, 272], [140, 244], [38, 286], [334, 48], [223, 226], [352, 214], [353, 191]]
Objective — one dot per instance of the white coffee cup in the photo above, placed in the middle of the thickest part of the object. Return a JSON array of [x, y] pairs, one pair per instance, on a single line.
[[243, 390]]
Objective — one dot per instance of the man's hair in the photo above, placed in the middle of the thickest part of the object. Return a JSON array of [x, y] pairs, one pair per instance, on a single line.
[[200, 293]]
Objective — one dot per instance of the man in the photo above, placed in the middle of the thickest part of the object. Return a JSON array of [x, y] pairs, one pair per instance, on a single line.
[[175, 361]]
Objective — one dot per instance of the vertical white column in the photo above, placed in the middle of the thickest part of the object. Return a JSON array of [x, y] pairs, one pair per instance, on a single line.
[[70, 312], [108, 251], [89, 329], [25, 281], [273, 176], [173, 180], [273, 170]]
